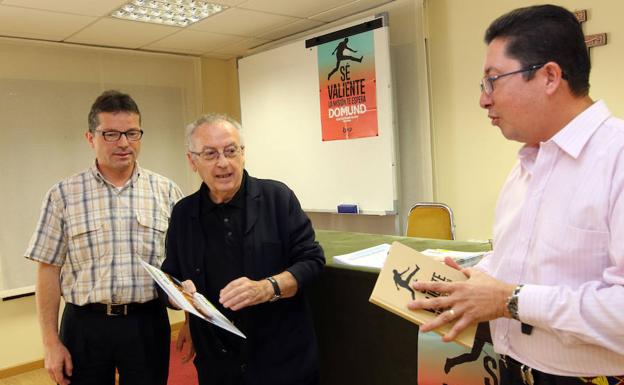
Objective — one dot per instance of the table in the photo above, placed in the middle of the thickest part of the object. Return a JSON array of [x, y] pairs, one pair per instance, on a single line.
[[359, 342]]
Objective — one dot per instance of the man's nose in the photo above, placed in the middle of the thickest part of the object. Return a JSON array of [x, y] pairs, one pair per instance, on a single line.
[[485, 101]]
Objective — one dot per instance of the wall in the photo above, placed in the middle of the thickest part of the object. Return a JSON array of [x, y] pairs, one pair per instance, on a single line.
[[471, 157], [19, 330]]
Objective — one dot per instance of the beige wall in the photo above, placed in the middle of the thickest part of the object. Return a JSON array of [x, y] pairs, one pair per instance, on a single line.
[[471, 158]]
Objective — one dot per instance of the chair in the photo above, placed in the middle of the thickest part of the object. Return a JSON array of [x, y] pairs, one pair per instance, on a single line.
[[430, 220]]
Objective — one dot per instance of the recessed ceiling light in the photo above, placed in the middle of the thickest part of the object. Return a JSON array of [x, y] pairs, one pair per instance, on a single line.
[[177, 13]]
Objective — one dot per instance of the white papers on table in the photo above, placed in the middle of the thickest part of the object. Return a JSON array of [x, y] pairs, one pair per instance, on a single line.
[[371, 257], [196, 304], [463, 258]]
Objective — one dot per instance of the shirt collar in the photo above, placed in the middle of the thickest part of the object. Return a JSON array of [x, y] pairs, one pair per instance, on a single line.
[[238, 200], [136, 173], [575, 135]]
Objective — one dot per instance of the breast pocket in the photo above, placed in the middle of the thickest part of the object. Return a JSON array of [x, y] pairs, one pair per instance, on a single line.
[[151, 232], [86, 241]]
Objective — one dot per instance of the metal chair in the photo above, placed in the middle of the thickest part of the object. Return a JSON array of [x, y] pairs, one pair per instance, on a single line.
[[430, 220]]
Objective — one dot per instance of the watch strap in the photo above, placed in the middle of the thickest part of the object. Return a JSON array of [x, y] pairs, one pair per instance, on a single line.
[[277, 293]]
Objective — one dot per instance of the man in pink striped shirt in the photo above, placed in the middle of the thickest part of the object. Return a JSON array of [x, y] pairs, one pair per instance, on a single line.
[[553, 286]]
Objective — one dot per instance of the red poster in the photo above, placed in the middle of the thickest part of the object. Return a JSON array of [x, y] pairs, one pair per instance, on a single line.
[[348, 89]]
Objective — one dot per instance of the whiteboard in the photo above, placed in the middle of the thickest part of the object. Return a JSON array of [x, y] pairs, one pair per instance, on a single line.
[[280, 111]]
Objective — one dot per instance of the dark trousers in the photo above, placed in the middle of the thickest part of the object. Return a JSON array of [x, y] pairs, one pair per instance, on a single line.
[[136, 344]]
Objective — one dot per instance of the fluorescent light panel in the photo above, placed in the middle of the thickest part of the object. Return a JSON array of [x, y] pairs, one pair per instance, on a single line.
[[177, 13]]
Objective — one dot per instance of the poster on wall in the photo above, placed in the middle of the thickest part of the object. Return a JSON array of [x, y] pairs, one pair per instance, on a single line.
[[347, 87], [453, 364]]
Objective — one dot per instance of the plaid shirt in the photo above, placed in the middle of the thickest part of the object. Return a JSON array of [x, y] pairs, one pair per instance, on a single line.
[[97, 232]]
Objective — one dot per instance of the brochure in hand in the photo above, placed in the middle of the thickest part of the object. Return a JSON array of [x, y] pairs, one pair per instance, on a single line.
[[393, 291], [195, 304]]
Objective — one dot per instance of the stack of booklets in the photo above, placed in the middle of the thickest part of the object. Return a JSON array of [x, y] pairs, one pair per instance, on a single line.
[[375, 257], [393, 291]]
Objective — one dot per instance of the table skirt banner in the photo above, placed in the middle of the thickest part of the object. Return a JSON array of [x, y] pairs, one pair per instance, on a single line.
[[442, 363]]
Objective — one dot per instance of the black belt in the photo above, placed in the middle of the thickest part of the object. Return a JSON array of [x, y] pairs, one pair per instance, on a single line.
[[115, 309], [532, 376]]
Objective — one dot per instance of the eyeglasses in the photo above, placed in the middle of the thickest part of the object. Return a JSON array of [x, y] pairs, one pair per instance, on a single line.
[[487, 83], [113, 136], [211, 155]]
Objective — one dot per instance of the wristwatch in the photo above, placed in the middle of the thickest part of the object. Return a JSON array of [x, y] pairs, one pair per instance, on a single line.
[[277, 293], [512, 303]]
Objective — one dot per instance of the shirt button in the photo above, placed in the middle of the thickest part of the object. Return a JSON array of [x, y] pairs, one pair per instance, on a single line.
[[226, 220], [229, 233]]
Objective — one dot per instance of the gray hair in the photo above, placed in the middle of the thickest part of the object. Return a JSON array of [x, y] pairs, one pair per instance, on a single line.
[[210, 119]]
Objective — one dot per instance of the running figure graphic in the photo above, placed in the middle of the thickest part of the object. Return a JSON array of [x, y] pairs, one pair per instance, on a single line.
[[404, 283], [340, 56]]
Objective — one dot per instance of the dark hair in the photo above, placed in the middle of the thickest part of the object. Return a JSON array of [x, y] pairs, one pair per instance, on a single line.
[[543, 33], [111, 101]]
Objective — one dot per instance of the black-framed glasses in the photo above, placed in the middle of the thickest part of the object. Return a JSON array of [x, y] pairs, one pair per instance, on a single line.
[[113, 136], [487, 83], [211, 154]]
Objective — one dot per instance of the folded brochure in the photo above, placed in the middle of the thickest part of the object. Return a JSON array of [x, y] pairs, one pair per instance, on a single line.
[[196, 304], [393, 291]]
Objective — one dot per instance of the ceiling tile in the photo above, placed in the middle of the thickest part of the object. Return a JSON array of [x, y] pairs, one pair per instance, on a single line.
[[293, 8], [241, 22], [229, 3], [121, 33], [79, 7], [35, 24], [348, 10], [291, 29], [241, 47], [194, 42]]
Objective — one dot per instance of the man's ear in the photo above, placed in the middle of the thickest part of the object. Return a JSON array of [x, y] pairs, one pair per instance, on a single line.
[[191, 161], [553, 76], [90, 138]]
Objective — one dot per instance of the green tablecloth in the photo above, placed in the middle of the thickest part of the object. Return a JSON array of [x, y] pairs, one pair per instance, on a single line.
[[340, 242]]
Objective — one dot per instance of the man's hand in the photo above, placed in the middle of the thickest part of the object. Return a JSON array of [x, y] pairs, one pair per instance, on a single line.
[[480, 298], [243, 292], [58, 363], [184, 338]]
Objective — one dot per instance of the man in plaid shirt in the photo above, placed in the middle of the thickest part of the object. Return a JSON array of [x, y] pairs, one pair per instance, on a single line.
[[94, 228]]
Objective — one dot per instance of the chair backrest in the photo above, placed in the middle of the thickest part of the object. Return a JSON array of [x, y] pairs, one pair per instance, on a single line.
[[430, 220]]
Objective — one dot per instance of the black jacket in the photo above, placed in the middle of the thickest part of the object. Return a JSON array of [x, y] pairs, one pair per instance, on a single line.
[[281, 345]]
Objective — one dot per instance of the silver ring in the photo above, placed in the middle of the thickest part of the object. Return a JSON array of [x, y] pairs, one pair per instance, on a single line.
[[452, 313]]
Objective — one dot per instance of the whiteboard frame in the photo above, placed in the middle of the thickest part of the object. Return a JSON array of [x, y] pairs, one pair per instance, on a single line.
[[274, 84]]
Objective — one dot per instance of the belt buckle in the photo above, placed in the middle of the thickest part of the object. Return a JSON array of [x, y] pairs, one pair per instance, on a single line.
[[113, 311], [527, 375]]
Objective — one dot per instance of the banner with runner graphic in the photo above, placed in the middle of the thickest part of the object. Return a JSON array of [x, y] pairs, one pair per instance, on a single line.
[[348, 87], [442, 363]]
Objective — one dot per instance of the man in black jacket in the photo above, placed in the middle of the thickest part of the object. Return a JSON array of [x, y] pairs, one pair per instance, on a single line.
[[246, 244]]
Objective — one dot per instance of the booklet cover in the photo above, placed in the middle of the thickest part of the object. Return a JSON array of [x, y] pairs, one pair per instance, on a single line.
[[393, 291], [196, 304]]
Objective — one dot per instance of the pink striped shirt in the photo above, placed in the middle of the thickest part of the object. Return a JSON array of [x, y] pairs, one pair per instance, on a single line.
[[559, 230]]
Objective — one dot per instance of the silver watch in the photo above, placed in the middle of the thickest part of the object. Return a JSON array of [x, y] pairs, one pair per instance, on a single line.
[[512, 303]]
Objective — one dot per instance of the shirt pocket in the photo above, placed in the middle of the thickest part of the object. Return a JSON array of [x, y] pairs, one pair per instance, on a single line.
[[151, 232], [86, 242], [581, 251]]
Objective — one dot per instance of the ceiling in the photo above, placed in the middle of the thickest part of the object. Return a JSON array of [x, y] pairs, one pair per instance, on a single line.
[[246, 24]]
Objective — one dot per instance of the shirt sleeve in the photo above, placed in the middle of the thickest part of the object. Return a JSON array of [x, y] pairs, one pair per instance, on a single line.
[[306, 255], [48, 243]]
